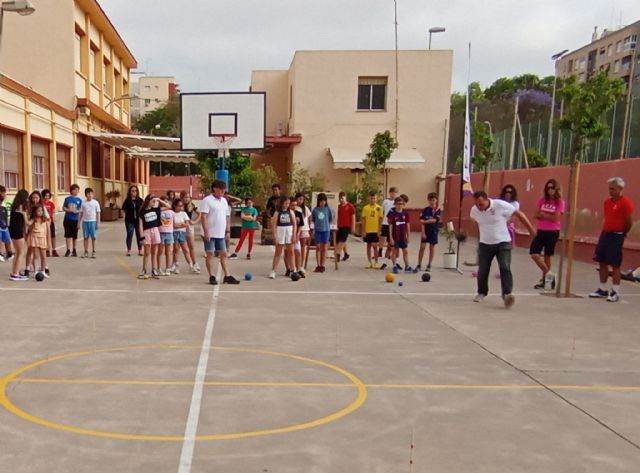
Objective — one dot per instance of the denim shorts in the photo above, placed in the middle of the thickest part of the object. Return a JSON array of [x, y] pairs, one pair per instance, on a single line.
[[166, 238], [5, 237], [215, 245], [322, 238], [180, 237], [89, 230]]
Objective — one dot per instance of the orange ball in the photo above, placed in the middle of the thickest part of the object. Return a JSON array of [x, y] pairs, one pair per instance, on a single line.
[[390, 277]]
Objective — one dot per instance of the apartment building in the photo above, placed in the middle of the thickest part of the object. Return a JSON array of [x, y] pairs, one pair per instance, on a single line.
[[612, 50], [151, 92], [64, 71], [324, 111]]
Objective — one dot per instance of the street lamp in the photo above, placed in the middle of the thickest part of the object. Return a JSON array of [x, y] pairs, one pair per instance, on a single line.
[[435, 29], [556, 57], [21, 7], [122, 97]]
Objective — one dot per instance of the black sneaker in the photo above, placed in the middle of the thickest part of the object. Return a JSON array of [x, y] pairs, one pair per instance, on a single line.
[[230, 280], [428, 268], [540, 285], [74, 252], [288, 273], [599, 294], [47, 272], [212, 280], [67, 254], [233, 256], [26, 273], [345, 257], [383, 266]]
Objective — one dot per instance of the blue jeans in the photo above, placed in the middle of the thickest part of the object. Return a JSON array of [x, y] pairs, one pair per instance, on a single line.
[[486, 253], [131, 228]]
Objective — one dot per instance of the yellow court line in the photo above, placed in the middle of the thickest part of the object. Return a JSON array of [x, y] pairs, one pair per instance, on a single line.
[[126, 266], [294, 384]]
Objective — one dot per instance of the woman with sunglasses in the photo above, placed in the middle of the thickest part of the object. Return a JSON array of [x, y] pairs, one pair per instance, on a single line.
[[549, 210], [510, 194]]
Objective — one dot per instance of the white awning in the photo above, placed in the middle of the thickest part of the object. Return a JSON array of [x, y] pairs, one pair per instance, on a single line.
[[351, 158], [162, 156], [141, 141]]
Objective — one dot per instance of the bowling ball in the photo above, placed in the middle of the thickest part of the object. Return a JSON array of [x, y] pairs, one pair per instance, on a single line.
[[39, 277], [248, 277], [295, 276], [426, 277]]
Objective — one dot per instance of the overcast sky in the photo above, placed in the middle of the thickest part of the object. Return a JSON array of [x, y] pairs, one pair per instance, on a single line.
[[213, 45]]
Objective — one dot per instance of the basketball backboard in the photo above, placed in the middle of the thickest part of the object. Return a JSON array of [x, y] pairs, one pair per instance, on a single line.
[[209, 118]]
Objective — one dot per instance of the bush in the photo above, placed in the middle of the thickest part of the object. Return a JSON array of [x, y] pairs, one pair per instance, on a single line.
[[536, 159]]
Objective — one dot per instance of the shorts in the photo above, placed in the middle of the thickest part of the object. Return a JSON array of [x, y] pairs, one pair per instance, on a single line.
[[70, 228], [384, 232], [89, 230], [284, 235], [215, 245], [400, 244], [5, 236], [371, 238], [544, 240], [432, 238], [343, 234], [305, 233], [52, 229], [179, 237], [322, 238], [151, 236], [190, 231], [166, 238], [609, 249]]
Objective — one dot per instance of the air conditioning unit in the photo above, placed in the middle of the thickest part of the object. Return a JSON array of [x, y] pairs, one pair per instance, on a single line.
[[84, 111]]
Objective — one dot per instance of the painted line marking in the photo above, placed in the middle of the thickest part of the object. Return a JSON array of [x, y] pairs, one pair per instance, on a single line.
[[126, 266]]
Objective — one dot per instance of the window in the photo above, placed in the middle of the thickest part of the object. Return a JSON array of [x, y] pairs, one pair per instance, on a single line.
[[80, 44], [583, 64], [106, 159], [602, 51], [372, 93], [95, 66], [619, 46], [127, 169], [82, 155], [107, 79], [290, 101], [10, 154], [147, 87], [63, 163], [630, 42], [147, 102], [616, 66], [40, 164], [119, 156], [610, 50], [96, 159]]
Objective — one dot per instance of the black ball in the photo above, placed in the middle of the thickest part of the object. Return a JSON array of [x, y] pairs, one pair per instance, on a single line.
[[426, 277], [39, 277], [295, 276]]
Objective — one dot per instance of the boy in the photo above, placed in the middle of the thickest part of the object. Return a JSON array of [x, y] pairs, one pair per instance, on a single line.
[[71, 207], [346, 224], [371, 222], [51, 210], [5, 238], [399, 230], [387, 205], [430, 219], [90, 216]]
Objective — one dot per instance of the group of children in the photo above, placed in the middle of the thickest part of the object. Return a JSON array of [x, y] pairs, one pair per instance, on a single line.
[[28, 230]]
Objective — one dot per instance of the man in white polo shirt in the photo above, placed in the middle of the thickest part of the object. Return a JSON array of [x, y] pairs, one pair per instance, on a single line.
[[492, 216], [215, 224]]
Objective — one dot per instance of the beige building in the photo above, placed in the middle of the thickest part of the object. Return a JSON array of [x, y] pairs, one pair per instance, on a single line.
[[63, 70], [613, 50], [151, 92], [324, 111]]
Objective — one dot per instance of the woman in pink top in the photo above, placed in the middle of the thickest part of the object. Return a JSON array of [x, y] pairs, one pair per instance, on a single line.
[[549, 210]]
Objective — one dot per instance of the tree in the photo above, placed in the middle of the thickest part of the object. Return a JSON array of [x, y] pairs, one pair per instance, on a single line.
[[380, 150], [304, 182], [483, 155], [526, 82], [242, 179], [585, 104], [503, 87], [163, 121]]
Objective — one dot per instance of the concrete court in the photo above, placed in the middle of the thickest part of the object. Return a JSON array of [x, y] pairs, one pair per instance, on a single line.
[[340, 372]]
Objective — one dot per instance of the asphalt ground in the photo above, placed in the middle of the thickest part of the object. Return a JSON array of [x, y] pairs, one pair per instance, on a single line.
[[338, 372]]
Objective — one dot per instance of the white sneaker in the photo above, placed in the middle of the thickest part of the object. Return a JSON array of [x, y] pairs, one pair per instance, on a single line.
[[193, 268], [272, 275], [1, 259], [478, 298], [197, 266], [613, 296], [172, 268], [175, 269]]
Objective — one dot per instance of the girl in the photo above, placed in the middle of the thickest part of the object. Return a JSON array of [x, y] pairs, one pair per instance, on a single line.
[[17, 230], [131, 207], [249, 216], [39, 237], [194, 217], [549, 210], [510, 194], [50, 207], [284, 231], [301, 247], [148, 225], [321, 216], [180, 226], [35, 199]]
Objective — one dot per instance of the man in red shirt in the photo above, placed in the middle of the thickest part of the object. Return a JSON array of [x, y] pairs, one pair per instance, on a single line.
[[346, 224], [617, 223]]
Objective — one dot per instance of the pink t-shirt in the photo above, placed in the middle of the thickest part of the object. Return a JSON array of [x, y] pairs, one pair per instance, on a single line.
[[166, 221], [550, 206]]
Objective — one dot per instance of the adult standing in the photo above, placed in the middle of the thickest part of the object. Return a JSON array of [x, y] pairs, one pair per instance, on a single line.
[[272, 202], [346, 225], [215, 224], [618, 209], [492, 216], [131, 207]]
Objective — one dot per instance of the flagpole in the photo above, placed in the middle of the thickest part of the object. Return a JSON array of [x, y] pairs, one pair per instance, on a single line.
[[465, 175]]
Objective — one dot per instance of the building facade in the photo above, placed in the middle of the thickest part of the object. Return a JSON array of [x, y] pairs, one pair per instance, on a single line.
[[613, 50], [64, 70], [324, 111], [151, 92]]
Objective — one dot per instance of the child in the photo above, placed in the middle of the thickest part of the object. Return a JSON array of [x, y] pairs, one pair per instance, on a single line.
[[249, 215], [284, 232], [71, 207], [372, 222], [149, 223], [5, 237], [321, 216], [166, 240], [35, 199], [194, 218], [399, 230], [387, 205], [301, 246], [346, 224], [90, 217], [430, 220], [180, 225], [50, 207], [17, 230], [39, 238]]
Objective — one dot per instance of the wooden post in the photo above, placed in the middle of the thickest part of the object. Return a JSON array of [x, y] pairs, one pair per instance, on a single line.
[[574, 180], [513, 134]]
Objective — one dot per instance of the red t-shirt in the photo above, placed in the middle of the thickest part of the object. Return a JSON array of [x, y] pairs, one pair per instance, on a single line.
[[51, 208], [345, 215], [615, 212]]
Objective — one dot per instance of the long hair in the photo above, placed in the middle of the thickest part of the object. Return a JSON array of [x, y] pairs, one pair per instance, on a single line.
[[147, 200], [281, 201], [129, 192], [20, 200], [30, 202], [557, 195], [33, 209], [514, 193]]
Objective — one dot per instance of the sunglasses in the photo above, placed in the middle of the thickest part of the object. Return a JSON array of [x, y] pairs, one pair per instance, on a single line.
[[550, 187], [508, 191]]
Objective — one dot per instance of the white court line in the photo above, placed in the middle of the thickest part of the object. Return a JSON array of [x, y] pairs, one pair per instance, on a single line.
[[191, 430]]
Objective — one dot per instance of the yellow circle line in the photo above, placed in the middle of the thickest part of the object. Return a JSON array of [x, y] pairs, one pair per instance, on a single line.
[[11, 407]]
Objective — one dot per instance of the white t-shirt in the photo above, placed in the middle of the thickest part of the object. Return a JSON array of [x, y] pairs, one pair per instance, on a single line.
[[387, 205], [493, 221], [90, 210], [180, 218], [216, 210]]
